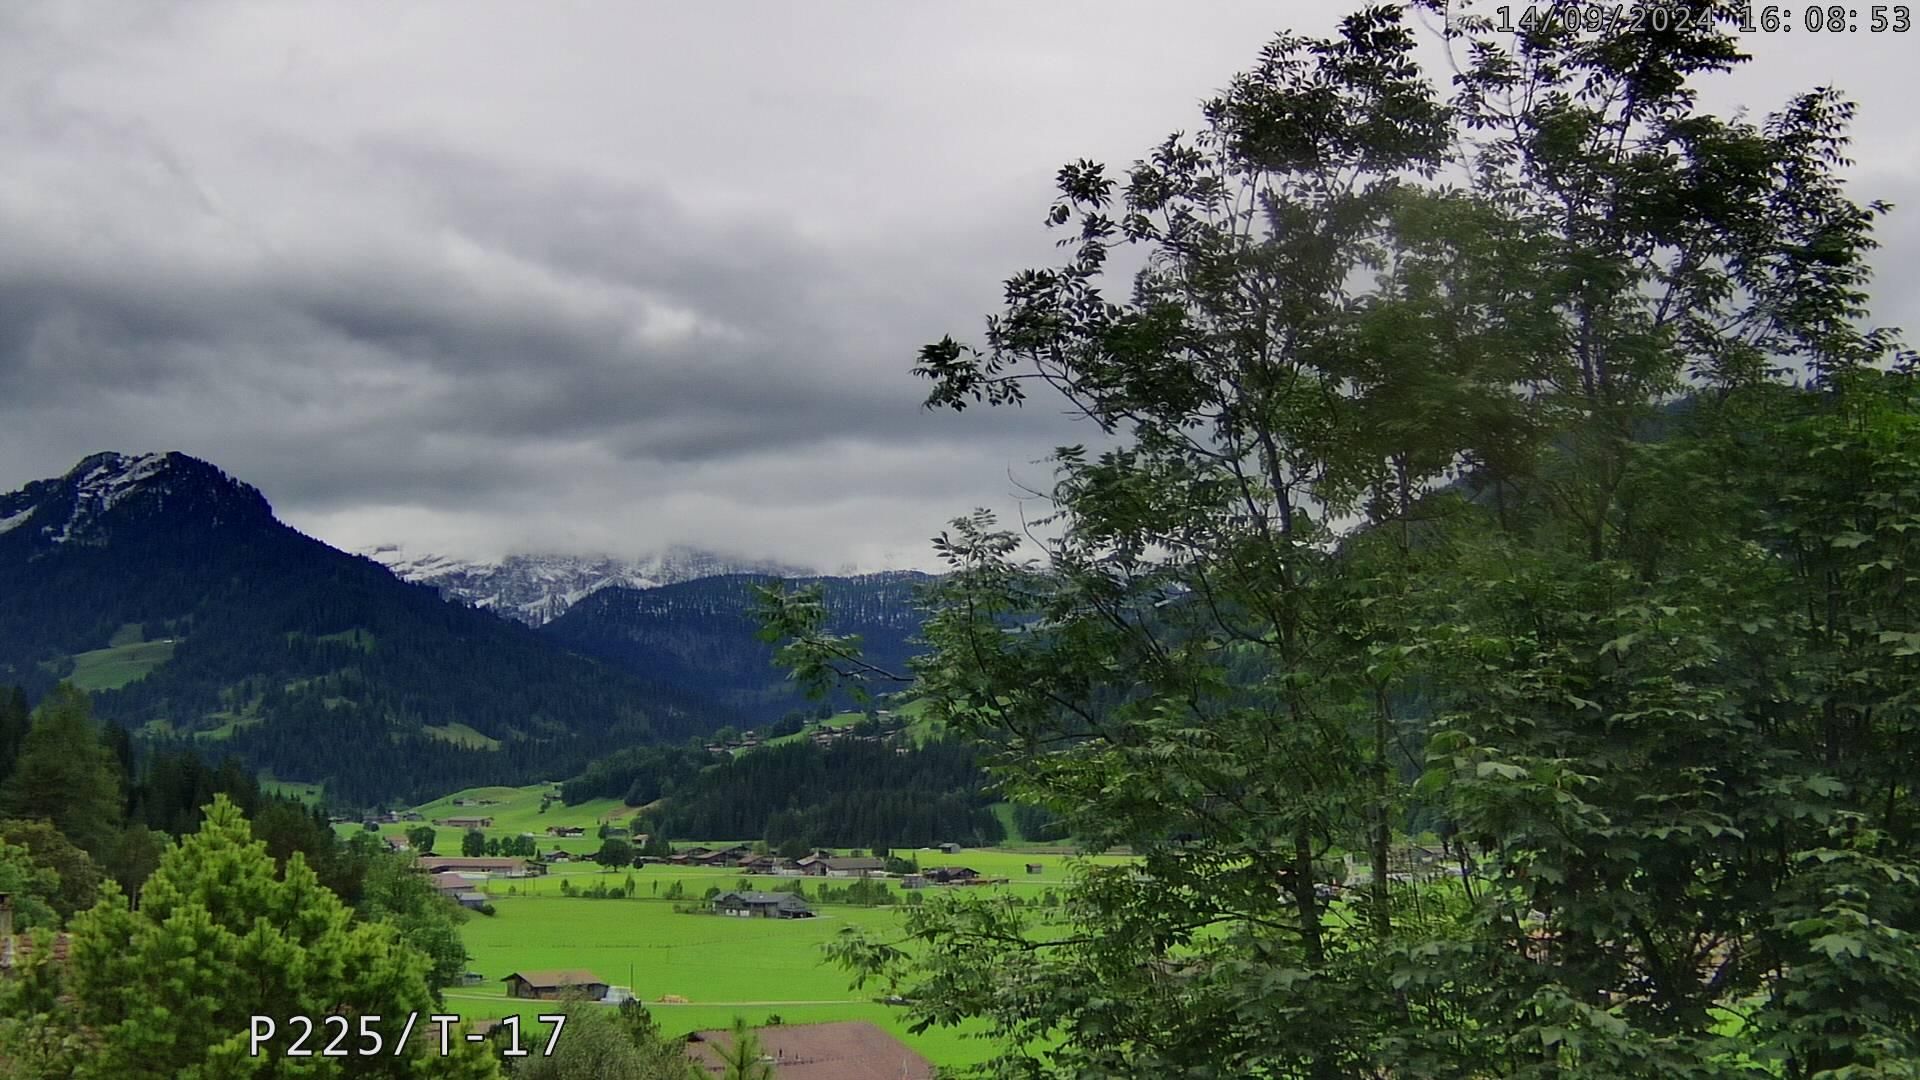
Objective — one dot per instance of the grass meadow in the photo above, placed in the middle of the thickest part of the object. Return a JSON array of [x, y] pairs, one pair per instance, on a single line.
[[752, 968], [725, 967]]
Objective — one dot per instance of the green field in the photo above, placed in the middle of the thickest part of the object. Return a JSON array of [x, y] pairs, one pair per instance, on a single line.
[[514, 810], [306, 793], [462, 735], [117, 665], [753, 968]]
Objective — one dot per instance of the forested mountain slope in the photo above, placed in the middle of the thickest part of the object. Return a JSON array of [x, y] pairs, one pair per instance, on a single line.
[[171, 591], [702, 635]]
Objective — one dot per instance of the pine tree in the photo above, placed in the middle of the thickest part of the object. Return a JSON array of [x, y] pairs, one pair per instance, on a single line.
[[14, 721], [169, 990], [65, 774]]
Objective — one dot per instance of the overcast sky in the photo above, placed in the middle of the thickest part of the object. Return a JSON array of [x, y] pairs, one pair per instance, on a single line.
[[476, 277]]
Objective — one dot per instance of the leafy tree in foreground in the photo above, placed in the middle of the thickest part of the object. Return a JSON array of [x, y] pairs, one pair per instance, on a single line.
[[78, 875], [1400, 489], [168, 990], [34, 888]]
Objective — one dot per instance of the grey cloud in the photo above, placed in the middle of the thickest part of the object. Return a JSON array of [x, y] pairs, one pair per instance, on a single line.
[[486, 276]]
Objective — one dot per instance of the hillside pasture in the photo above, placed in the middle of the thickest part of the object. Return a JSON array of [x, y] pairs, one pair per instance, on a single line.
[[724, 967], [117, 665]]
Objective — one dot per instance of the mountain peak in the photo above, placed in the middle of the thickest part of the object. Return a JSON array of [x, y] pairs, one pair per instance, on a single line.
[[109, 486], [535, 588]]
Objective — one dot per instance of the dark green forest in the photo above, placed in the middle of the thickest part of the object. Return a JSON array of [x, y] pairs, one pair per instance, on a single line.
[[851, 793], [703, 635]]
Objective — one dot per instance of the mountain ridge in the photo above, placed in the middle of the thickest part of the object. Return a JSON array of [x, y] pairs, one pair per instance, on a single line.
[[315, 663], [705, 632], [537, 587]]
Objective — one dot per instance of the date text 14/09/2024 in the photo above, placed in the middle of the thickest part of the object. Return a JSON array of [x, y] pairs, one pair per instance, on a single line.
[[1604, 17], [339, 1036]]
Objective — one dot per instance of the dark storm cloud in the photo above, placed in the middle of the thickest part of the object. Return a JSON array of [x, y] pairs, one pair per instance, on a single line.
[[481, 276]]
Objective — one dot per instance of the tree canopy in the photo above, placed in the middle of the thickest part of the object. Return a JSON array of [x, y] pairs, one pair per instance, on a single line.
[[1514, 468], [168, 989]]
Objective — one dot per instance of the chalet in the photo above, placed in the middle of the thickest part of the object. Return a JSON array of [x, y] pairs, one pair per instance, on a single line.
[[566, 830], [553, 985], [733, 856], [855, 867], [949, 849], [847, 1050], [763, 905], [950, 875], [556, 855], [466, 822], [461, 864], [842, 866], [690, 855], [451, 884], [1035, 868]]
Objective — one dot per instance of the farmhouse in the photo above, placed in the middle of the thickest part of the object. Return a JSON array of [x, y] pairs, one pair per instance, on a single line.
[[552, 985], [763, 905], [566, 830], [450, 884], [950, 875], [466, 822], [460, 864], [849, 1050], [843, 866], [733, 856]]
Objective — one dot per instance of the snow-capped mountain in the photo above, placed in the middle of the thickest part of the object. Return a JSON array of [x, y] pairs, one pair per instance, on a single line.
[[80, 507], [537, 588]]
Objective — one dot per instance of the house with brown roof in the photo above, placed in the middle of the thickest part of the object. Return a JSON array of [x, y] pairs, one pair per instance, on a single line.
[[848, 1050], [842, 866], [552, 985], [450, 884], [461, 864], [950, 875], [765, 905], [466, 822]]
